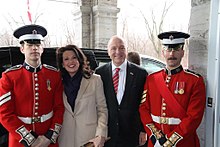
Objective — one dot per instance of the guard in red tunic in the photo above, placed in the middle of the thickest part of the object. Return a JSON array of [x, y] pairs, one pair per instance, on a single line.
[[173, 101], [31, 105]]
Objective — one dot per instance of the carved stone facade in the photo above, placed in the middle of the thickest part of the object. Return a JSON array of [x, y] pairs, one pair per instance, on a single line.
[[95, 22]]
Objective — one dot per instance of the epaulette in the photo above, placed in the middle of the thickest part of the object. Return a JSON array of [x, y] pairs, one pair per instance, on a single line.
[[50, 67], [192, 72], [16, 67]]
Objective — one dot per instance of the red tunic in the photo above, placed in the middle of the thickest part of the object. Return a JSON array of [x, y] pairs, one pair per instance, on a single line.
[[31, 92], [190, 95]]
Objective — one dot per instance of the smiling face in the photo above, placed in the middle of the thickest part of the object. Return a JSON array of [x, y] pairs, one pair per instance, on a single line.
[[70, 62], [117, 50]]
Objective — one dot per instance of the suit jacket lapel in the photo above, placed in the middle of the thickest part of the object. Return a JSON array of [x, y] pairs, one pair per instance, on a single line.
[[66, 104], [83, 86], [109, 77], [110, 84], [129, 81]]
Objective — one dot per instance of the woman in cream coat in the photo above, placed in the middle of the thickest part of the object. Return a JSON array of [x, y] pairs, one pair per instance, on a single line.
[[85, 116]]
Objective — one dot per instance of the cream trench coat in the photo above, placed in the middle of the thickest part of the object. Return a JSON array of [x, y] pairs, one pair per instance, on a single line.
[[90, 115]]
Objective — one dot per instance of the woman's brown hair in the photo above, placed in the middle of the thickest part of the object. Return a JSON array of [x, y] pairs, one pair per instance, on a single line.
[[83, 63]]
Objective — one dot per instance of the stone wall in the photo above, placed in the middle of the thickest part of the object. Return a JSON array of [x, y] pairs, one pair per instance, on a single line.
[[198, 45]]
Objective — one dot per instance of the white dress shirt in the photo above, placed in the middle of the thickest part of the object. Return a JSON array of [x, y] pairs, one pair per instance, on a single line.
[[122, 79]]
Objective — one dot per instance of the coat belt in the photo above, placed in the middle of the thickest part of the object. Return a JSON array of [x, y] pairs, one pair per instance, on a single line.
[[165, 120], [31, 120]]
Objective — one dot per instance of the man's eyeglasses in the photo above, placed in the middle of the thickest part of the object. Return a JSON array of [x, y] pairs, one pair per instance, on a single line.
[[170, 48]]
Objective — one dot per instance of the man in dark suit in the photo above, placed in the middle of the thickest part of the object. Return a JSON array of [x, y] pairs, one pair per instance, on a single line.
[[124, 125]]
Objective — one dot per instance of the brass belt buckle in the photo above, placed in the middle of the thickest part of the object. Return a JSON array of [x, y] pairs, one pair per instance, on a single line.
[[163, 120], [35, 119]]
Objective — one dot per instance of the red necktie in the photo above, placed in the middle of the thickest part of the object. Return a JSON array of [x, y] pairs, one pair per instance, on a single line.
[[115, 79]]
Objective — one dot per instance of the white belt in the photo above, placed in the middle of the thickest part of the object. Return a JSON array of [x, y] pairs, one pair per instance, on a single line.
[[166, 120], [31, 120]]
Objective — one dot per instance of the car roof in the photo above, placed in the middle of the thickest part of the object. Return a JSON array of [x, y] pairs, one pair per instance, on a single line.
[[151, 64], [152, 58]]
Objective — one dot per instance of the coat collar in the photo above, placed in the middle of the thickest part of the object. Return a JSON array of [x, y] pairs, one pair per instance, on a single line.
[[83, 86], [32, 69], [174, 71]]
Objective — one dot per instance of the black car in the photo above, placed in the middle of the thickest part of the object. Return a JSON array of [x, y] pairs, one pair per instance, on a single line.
[[10, 56]]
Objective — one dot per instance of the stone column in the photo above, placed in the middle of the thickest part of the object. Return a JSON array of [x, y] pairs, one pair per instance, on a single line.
[[198, 42], [198, 46], [104, 22], [82, 21]]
